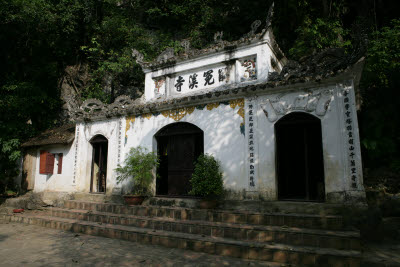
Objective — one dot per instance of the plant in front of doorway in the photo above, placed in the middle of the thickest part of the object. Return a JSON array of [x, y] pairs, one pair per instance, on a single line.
[[138, 166], [207, 181]]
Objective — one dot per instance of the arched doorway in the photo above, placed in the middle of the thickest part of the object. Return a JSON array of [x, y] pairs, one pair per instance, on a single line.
[[299, 158], [98, 178], [178, 146]]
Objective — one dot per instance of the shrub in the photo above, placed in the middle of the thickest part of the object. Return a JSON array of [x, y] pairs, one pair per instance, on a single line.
[[207, 178], [138, 166]]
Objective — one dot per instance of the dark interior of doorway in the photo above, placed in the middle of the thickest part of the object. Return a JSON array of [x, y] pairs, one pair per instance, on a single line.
[[179, 146], [299, 158], [98, 178]]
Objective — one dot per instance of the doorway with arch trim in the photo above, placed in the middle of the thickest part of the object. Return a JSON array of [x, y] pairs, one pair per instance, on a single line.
[[178, 147], [299, 158], [98, 178]]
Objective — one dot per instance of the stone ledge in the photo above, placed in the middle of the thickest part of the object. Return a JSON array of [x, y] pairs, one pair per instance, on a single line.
[[247, 250]]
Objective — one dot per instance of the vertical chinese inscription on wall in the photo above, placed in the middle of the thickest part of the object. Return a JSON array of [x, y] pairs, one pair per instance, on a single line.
[[76, 152], [119, 140], [350, 137], [251, 142]]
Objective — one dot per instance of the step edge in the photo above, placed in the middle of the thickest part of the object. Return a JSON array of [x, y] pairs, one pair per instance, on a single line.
[[313, 231], [290, 248], [220, 211]]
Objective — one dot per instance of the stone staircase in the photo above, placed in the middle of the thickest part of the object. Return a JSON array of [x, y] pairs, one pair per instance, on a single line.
[[298, 239]]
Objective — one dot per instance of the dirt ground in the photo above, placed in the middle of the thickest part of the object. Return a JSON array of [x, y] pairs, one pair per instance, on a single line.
[[30, 245]]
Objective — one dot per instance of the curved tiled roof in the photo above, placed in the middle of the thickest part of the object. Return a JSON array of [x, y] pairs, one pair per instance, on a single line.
[[61, 135], [332, 64]]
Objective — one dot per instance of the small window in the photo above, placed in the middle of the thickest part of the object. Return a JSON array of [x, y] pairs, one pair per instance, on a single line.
[[60, 161], [46, 162]]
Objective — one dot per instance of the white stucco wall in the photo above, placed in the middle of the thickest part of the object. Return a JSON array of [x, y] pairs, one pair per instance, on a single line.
[[56, 182], [227, 140], [110, 129], [222, 137], [334, 138]]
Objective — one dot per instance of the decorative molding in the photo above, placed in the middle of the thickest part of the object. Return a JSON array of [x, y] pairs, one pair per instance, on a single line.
[[211, 106], [317, 102], [146, 115], [238, 103], [106, 131], [128, 121], [180, 113]]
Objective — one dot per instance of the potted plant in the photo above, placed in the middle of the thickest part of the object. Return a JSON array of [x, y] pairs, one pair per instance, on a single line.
[[207, 181], [138, 166]]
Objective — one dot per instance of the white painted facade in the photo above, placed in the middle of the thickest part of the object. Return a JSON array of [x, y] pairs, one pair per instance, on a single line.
[[226, 128], [55, 182]]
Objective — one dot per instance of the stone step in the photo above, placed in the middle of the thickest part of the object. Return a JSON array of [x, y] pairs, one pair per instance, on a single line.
[[299, 255], [330, 222], [300, 207], [348, 240]]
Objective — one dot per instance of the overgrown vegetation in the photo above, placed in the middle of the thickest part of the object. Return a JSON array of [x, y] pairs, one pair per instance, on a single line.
[[40, 38], [206, 180], [138, 167]]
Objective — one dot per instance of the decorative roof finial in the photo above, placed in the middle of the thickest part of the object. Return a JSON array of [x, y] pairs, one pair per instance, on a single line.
[[269, 15], [218, 37], [139, 57]]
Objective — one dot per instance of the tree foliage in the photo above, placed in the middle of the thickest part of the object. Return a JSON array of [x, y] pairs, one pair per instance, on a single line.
[[206, 180], [138, 166], [380, 84]]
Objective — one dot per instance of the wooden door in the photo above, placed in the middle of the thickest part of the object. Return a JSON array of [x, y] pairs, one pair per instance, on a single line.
[[299, 158], [99, 164], [178, 146], [180, 163]]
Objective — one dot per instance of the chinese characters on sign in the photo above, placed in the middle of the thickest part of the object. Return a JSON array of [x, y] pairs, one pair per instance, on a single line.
[[349, 129], [199, 81], [179, 83], [251, 144], [193, 81], [207, 77]]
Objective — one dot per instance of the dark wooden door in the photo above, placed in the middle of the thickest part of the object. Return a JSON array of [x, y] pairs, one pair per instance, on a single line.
[[99, 165], [179, 145], [180, 163], [299, 158]]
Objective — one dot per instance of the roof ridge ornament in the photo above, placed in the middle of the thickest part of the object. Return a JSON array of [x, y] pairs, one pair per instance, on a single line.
[[139, 57], [185, 43], [268, 20], [218, 37], [167, 54]]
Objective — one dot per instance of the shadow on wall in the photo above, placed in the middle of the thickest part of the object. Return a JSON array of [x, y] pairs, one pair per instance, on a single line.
[[222, 139]]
